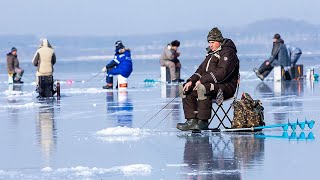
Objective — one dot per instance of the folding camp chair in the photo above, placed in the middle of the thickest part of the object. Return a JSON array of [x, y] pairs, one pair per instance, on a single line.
[[220, 107]]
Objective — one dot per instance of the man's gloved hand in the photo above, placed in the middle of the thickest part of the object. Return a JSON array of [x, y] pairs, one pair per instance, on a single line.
[[104, 69]]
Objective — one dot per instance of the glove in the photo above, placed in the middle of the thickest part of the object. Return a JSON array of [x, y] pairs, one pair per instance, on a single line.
[[104, 69]]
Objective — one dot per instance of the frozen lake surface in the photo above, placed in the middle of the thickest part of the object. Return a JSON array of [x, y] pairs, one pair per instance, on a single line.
[[93, 133]]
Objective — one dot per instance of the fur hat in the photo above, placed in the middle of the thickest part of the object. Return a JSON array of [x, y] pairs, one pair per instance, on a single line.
[[215, 35], [175, 43]]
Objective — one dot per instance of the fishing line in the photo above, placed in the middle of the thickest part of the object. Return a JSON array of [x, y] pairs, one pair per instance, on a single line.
[[166, 115], [93, 76], [161, 110]]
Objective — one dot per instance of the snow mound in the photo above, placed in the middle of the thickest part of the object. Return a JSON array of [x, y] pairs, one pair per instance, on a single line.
[[121, 134], [83, 91], [129, 170], [78, 172], [18, 106], [46, 169]]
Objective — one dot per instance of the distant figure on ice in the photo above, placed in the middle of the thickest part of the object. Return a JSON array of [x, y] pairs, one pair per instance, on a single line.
[[279, 57], [44, 59], [169, 59], [216, 78], [13, 67], [121, 64], [294, 55]]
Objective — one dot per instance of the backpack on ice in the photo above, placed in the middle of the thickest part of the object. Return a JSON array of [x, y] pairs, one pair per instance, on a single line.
[[247, 112]]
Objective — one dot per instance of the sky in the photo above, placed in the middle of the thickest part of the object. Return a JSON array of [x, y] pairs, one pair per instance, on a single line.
[[127, 17]]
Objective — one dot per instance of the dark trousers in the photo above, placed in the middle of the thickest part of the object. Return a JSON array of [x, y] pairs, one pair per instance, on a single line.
[[201, 109], [265, 69]]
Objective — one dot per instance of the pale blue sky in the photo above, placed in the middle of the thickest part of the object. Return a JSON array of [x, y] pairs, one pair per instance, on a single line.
[[125, 17]]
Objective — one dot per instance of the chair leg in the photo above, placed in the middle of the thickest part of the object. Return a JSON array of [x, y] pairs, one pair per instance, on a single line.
[[226, 114], [215, 114], [224, 117], [221, 120]]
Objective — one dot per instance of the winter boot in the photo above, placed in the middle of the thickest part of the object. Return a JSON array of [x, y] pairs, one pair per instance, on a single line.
[[188, 125], [260, 76], [201, 125], [108, 86]]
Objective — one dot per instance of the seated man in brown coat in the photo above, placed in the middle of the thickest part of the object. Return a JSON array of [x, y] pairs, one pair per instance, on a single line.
[[216, 78], [13, 67]]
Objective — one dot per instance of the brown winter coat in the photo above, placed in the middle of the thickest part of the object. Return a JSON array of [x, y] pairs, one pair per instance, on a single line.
[[12, 63], [220, 68]]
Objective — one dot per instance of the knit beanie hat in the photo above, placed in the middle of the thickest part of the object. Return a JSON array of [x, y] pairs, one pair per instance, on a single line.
[[215, 35], [13, 49]]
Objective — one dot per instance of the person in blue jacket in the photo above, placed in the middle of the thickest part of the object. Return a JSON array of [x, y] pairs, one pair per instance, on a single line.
[[121, 64]]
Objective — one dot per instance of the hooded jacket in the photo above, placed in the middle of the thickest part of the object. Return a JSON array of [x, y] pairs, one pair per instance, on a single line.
[[220, 67], [169, 54], [44, 59], [12, 63], [122, 61], [279, 55]]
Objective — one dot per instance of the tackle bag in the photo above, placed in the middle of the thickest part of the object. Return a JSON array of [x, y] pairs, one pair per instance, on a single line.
[[247, 112]]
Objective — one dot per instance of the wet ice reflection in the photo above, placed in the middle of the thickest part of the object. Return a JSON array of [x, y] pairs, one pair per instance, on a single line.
[[220, 156]]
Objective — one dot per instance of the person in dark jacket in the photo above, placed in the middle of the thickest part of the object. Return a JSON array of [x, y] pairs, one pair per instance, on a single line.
[[279, 57], [13, 67], [169, 59], [216, 78], [121, 64]]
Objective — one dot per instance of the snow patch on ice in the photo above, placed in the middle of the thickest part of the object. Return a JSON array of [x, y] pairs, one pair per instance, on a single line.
[[27, 105], [79, 171], [177, 165], [121, 131], [46, 169], [136, 169], [83, 91], [130, 170], [121, 134], [12, 93]]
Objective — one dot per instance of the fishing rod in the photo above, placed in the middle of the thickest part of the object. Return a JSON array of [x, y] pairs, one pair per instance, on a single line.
[[161, 109], [102, 78], [93, 76], [166, 116]]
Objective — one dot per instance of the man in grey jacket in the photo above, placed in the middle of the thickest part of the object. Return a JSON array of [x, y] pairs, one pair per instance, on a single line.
[[279, 57], [13, 67], [169, 59]]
